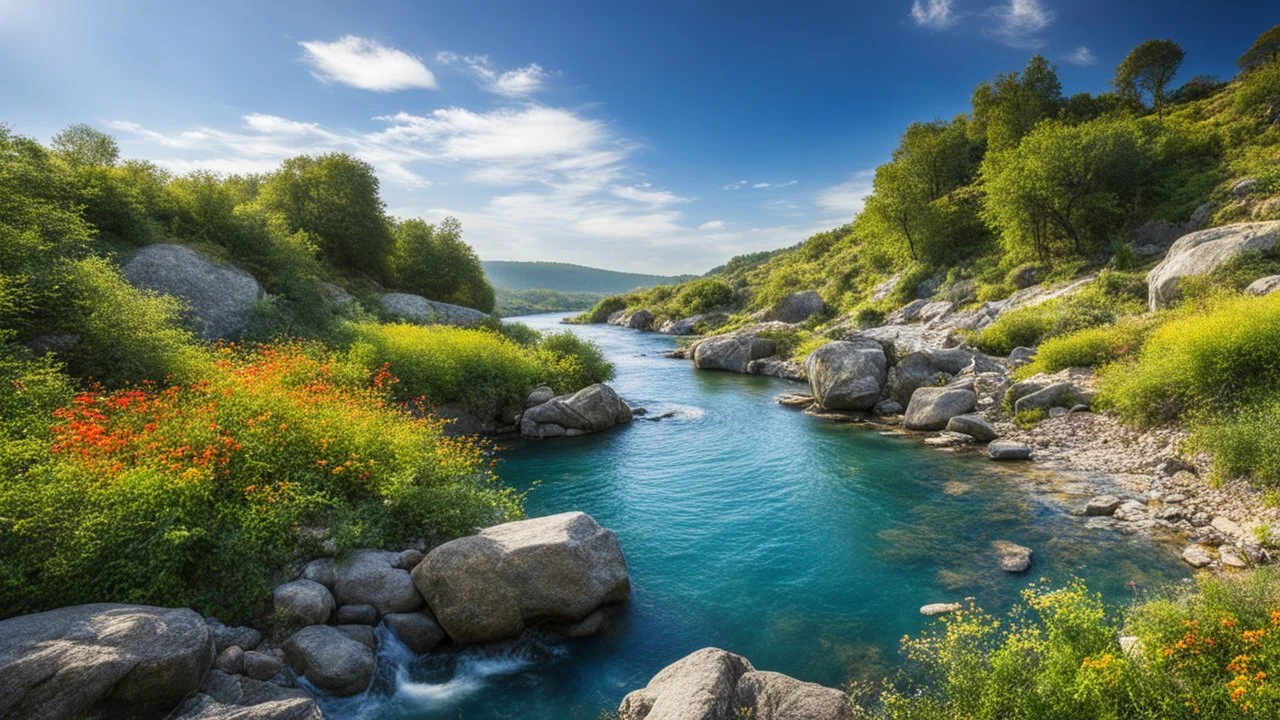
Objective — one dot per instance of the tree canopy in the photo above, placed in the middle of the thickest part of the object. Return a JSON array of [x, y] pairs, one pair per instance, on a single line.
[[1265, 50], [1149, 68]]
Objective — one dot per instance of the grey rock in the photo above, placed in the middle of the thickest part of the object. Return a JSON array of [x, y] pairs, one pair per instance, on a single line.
[[363, 634], [492, 585], [774, 696], [1263, 286], [933, 408], [539, 396], [408, 559], [358, 615], [937, 310], [224, 637], [419, 310], [905, 314], [731, 352], [230, 660], [77, 661], [1244, 186], [1196, 556], [911, 373], [1131, 511], [638, 320], [320, 571], [332, 661], [231, 697], [974, 426], [949, 439], [1006, 450], [418, 630], [933, 609], [368, 577], [846, 375], [261, 666], [1228, 527], [797, 307], [1063, 394], [1101, 505], [221, 297], [773, 367], [889, 407], [592, 409], [1202, 252], [1229, 556], [303, 602], [1012, 557]]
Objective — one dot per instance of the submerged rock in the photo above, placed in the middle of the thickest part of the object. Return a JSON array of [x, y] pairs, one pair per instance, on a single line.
[[1013, 558], [847, 375], [933, 609], [494, 584], [87, 660], [712, 684], [592, 409]]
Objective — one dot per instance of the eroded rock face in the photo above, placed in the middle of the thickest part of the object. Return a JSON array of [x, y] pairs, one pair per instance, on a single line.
[[932, 408], [85, 659], [221, 297], [712, 684], [369, 577], [847, 375], [797, 307], [494, 584], [591, 409], [226, 696], [330, 659], [731, 352], [419, 310], [1202, 252]]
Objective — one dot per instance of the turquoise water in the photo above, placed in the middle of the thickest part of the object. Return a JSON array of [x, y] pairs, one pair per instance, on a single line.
[[805, 545]]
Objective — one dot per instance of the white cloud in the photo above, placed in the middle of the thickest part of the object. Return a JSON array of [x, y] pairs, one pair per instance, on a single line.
[[366, 64], [1019, 22], [642, 194], [519, 82], [848, 197], [760, 186], [1082, 56], [712, 225], [735, 185], [933, 14]]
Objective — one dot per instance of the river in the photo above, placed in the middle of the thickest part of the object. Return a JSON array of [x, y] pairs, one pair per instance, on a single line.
[[805, 545]]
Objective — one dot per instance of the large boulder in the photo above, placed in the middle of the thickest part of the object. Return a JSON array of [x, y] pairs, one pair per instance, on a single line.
[[731, 352], [332, 660], [638, 320], [592, 409], [303, 602], [847, 375], [494, 584], [975, 426], [418, 630], [225, 696], [1202, 252], [417, 309], [369, 577], [797, 307], [101, 659], [221, 297], [712, 684], [931, 408]]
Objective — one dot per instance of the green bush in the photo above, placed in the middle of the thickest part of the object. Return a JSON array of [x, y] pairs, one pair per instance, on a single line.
[[1091, 347], [698, 297], [602, 310], [573, 363], [1243, 442], [1111, 295]]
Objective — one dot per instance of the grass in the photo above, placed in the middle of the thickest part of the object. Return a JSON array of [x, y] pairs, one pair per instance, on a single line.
[[1091, 347], [1112, 295]]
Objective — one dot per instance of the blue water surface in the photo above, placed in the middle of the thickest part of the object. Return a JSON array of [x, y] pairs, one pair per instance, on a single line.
[[807, 546]]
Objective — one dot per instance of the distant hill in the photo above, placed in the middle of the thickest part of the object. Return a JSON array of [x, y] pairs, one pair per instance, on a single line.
[[566, 277]]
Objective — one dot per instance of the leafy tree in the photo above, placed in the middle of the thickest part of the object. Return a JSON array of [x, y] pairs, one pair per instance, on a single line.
[[1197, 88], [1063, 189], [1007, 108], [1265, 50], [1149, 68], [1083, 107], [334, 198], [435, 262], [81, 145]]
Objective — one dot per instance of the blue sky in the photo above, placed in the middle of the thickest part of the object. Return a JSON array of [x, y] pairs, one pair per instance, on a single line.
[[656, 136]]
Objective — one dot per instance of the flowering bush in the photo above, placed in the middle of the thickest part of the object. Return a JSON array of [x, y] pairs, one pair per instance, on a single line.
[[201, 494]]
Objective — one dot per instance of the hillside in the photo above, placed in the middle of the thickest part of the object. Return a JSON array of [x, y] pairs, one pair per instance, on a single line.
[[567, 277]]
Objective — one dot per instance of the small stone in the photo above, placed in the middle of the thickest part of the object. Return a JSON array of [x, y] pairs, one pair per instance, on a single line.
[[1175, 499], [939, 608], [261, 665], [357, 615], [1196, 556], [974, 426], [889, 407], [1101, 505], [948, 439], [1005, 450], [408, 559], [230, 660], [1227, 527], [1131, 511], [1013, 558], [246, 638], [1057, 412], [1230, 557]]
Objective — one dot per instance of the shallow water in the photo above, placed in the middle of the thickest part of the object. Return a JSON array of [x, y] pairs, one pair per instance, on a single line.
[[805, 545]]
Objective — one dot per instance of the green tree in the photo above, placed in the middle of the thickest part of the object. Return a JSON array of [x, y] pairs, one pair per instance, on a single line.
[[434, 262], [1149, 69], [81, 145], [1007, 108], [1265, 50], [334, 199], [1063, 190]]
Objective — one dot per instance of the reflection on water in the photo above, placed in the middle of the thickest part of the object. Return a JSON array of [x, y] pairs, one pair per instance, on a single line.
[[807, 546]]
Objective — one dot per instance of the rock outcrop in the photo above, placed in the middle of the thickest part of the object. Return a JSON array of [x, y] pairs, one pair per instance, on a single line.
[[1264, 286], [712, 684], [592, 409], [847, 375], [494, 584], [1202, 252], [232, 697], [221, 298], [731, 352], [932, 408], [419, 310], [797, 307], [101, 659]]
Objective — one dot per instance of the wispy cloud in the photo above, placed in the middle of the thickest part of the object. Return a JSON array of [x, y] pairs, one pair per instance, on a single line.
[[1018, 23], [933, 14], [520, 82], [712, 225], [735, 185], [769, 185], [849, 197], [643, 194], [365, 64], [1082, 56]]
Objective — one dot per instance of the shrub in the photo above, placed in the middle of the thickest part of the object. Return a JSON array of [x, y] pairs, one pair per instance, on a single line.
[[202, 494], [1024, 327], [1091, 347], [1111, 295], [1243, 442], [602, 310], [699, 296], [573, 362], [1212, 361]]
